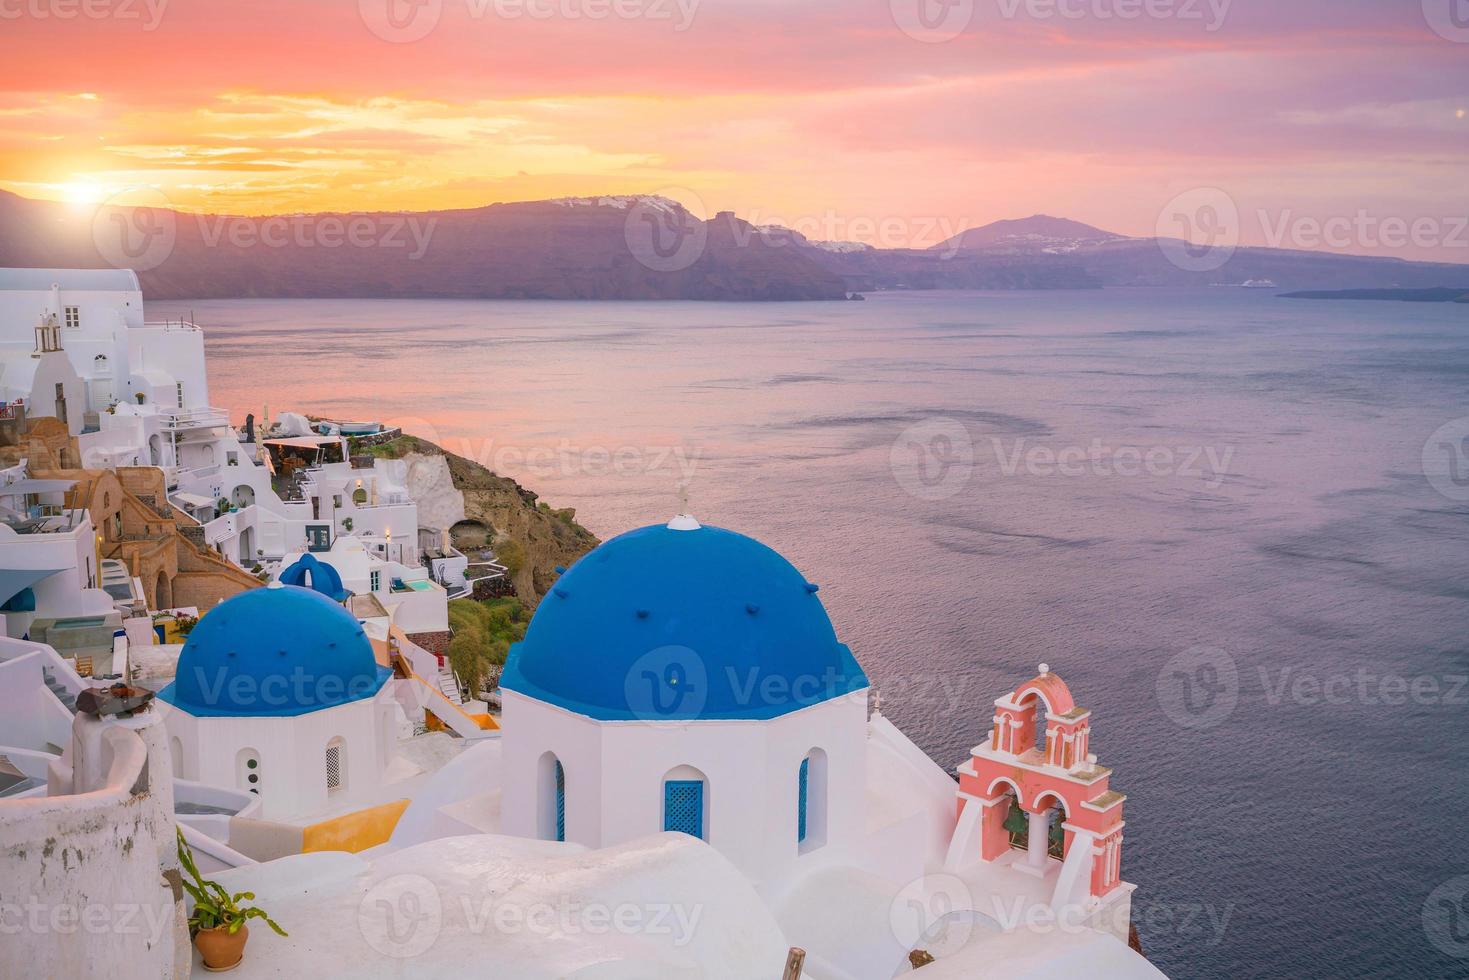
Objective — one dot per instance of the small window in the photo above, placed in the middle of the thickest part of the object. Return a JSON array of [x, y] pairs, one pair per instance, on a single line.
[[248, 763], [73, 317], [804, 779], [560, 802], [334, 765], [683, 806], [337, 501], [180, 387], [376, 582]]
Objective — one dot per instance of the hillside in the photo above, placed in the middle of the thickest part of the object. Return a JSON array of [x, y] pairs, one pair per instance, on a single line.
[[528, 536]]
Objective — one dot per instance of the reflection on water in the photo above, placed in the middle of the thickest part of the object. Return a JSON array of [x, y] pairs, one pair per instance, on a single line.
[[1206, 510]]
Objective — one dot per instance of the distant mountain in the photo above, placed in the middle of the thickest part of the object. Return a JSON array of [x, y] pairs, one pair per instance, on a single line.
[[630, 247], [573, 248], [1038, 233]]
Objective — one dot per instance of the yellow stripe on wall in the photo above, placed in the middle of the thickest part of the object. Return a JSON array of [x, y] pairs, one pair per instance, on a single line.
[[354, 831]]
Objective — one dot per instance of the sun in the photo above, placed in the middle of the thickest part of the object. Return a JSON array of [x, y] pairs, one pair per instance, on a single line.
[[83, 192]]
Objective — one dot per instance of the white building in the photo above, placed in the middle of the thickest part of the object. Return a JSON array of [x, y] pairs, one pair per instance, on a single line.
[[74, 345], [642, 701], [278, 693]]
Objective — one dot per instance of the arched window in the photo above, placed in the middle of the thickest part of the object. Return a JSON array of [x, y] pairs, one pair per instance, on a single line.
[[685, 802], [811, 801], [551, 798], [247, 770], [336, 764]]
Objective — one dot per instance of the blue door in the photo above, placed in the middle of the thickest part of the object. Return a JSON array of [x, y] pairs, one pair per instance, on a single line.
[[683, 806]]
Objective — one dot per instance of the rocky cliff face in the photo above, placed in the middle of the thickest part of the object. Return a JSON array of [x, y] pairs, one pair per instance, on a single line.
[[531, 538]]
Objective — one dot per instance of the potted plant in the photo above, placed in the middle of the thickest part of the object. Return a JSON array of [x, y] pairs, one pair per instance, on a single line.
[[347, 524], [218, 920]]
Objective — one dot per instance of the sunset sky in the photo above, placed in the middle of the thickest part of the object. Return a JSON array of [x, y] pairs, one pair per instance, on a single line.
[[846, 119]]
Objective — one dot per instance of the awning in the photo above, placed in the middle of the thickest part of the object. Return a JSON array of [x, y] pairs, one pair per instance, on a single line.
[[304, 442], [14, 581], [190, 499], [36, 486]]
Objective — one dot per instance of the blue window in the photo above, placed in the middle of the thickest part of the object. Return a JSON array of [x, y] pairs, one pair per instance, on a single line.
[[801, 805], [683, 806], [560, 802]]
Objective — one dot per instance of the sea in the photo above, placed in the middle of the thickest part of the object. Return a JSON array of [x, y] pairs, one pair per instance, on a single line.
[[1237, 525]]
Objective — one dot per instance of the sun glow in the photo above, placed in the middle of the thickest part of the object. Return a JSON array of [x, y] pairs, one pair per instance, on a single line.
[[83, 192]]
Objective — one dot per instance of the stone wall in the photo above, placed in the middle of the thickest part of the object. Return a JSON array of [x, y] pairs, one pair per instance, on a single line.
[[435, 642]]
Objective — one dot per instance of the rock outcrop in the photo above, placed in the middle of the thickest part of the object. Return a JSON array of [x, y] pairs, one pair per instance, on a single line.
[[529, 537]]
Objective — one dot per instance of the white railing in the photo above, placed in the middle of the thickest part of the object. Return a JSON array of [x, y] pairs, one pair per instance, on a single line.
[[174, 323], [183, 419]]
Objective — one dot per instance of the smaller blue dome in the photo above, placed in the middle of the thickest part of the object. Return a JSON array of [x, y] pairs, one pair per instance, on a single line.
[[274, 652], [310, 572]]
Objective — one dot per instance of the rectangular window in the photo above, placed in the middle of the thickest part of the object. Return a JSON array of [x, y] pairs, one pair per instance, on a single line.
[[318, 537], [683, 806], [560, 802], [337, 501], [375, 581], [73, 317], [333, 767], [180, 387], [801, 805]]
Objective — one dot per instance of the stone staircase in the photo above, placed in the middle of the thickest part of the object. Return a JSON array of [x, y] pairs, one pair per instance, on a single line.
[[449, 686], [65, 697]]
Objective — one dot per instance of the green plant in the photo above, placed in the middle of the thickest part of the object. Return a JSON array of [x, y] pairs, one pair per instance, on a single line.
[[185, 623], [213, 906], [347, 524]]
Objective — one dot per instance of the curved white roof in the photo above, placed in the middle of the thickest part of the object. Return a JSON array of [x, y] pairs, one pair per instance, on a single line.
[[82, 279], [666, 906]]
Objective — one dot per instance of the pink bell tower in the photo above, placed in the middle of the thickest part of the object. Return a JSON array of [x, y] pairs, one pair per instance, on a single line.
[[1038, 760]]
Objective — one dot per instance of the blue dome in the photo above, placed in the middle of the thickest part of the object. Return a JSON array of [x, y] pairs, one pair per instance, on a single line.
[[274, 652], [664, 624], [311, 573]]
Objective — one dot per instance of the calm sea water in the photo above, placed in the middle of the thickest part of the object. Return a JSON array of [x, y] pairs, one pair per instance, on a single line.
[[1243, 613]]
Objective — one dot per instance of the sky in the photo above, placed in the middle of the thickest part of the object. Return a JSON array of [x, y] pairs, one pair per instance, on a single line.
[[1337, 124]]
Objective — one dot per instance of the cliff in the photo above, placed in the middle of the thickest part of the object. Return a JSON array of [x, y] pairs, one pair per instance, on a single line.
[[528, 536]]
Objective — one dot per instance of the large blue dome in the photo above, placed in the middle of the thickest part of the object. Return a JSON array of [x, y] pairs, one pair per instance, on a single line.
[[274, 652], [665, 624]]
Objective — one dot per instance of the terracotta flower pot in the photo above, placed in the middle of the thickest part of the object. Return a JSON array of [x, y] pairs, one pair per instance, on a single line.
[[222, 951]]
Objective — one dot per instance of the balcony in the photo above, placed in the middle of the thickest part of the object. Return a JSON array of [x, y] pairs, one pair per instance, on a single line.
[[182, 420], [174, 323]]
